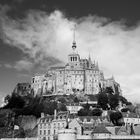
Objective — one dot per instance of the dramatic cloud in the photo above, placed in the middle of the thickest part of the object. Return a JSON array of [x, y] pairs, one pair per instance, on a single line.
[[43, 36], [23, 65]]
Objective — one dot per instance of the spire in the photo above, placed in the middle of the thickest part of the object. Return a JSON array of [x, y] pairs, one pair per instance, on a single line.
[[74, 42], [89, 58]]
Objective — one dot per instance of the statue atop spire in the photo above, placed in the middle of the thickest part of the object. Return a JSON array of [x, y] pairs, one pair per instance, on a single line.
[[74, 42]]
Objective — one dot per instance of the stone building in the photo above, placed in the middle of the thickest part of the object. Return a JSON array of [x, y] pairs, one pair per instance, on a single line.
[[49, 126], [22, 89], [78, 75]]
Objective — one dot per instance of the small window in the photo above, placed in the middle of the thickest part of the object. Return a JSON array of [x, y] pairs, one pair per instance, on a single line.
[[48, 132], [44, 132], [40, 132]]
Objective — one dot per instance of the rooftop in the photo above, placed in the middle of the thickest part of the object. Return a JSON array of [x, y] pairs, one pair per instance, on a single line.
[[100, 129]]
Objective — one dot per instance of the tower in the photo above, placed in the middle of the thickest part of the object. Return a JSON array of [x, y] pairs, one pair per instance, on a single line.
[[74, 58], [74, 42]]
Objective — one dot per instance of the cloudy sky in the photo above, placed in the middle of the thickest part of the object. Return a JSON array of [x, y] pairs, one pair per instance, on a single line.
[[35, 34]]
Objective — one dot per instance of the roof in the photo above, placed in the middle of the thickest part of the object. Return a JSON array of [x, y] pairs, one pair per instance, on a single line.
[[73, 104], [100, 129], [62, 114], [88, 118], [57, 67], [117, 129], [88, 126], [130, 115], [47, 118], [122, 129]]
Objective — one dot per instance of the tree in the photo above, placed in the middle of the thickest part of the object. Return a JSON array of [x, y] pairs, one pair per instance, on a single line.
[[125, 109], [62, 100], [61, 107], [109, 90], [113, 101], [14, 101], [115, 118], [83, 112], [96, 112], [103, 101]]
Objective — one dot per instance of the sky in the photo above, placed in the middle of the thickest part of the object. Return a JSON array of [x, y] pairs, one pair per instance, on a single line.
[[36, 34]]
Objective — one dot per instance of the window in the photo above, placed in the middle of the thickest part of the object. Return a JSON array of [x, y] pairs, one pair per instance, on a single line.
[[54, 125], [40, 125], [40, 132], [44, 132], [63, 125], [54, 131], [58, 125], [48, 132], [33, 80]]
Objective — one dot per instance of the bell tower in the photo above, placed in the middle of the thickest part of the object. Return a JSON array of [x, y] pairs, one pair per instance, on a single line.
[[74, 58]]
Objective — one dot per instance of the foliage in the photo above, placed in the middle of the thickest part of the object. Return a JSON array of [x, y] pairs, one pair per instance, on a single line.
[[88, 111], [103, 101], [113, 101], [96, 112], [35, 105], [124, 100], [125, 109], [62, 100], [115, 118], [84, 112], [14, 101], [108, 100]]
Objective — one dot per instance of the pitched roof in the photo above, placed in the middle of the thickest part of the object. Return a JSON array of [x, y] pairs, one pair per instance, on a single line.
[[117, 129], [88, 118], [100, 129], [47, 118], [130, 115], [122, 129]]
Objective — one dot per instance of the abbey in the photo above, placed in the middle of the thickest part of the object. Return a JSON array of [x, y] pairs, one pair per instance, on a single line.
[[78, 75]]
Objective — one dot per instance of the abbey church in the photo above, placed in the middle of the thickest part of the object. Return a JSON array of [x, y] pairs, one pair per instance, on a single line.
[[78, 75]]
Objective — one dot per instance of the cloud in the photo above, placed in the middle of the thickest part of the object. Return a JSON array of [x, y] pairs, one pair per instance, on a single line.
[[23, 65], [20, 65], [43, 36], [9, 66]]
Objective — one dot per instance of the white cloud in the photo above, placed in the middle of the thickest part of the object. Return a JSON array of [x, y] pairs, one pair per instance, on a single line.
[[23, 65], [113, 44]]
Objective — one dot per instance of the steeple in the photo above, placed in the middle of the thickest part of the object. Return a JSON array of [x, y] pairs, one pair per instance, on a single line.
[[89, 58], [74, 42]]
